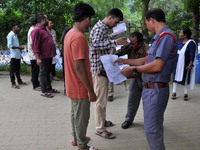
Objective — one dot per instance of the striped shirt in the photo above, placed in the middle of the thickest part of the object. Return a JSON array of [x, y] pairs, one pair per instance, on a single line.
[[100, 44]]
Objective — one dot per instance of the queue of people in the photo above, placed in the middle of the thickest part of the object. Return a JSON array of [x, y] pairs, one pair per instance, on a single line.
[[85, 77]]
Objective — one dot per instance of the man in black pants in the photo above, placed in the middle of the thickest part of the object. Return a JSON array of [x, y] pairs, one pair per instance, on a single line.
[[62, 52], [35, 69], [44, 50], [15, 55]]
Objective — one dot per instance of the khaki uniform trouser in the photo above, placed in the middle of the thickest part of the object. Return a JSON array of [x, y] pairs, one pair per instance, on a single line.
[[80, 114], [110, 89], [100, 84]]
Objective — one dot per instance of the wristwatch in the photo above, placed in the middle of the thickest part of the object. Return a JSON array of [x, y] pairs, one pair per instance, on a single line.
[[135, 70]]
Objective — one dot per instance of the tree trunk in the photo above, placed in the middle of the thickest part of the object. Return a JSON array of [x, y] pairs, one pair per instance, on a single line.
[[196, 21], [145, 7]]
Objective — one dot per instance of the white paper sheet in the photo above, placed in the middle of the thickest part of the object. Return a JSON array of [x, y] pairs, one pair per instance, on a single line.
[[112, 69], [121, 27]]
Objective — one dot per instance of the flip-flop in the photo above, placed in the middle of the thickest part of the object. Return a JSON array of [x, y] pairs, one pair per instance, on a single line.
[[105, 134], [74, 142], [92, 148], [47, 94]]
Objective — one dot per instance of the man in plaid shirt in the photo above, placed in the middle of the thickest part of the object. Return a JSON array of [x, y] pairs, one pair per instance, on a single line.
[[101, 44]]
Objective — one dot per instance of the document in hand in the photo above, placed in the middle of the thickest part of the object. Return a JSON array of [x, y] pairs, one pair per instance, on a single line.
[[112, 69], [121, 27]]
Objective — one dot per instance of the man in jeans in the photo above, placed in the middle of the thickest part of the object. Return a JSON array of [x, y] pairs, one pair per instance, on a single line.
[[44, 50], [136, 49], [15, 54]]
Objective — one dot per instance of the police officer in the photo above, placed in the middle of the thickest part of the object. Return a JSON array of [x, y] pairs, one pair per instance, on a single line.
[[156, 69]]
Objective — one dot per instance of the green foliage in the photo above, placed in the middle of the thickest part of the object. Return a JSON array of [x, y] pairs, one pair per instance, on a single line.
[[102, 7], [59, 11], [178, 13]]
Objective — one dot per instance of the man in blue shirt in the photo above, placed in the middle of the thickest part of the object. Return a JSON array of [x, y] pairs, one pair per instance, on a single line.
[[15, 55], [156, 69]]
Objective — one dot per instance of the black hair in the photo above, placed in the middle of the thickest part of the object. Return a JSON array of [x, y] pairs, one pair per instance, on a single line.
[[115, 12], [156, 14], [82, 11], [33, 21], [14, 24], [40, 17], [65, 31], [187, 31], [138, 35]]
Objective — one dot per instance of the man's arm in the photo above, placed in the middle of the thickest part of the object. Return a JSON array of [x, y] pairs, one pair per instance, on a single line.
[[152, 67], [83, 76], [38, 60], [10, 43], [97, 40], [122, 51], [131, 62]]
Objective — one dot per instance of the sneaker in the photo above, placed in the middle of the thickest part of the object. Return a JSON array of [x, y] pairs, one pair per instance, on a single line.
[[185, 97], [126, 124], [110, 98], [173, 96]]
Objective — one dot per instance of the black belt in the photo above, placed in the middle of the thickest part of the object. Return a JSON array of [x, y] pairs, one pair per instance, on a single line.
[[155, 85]]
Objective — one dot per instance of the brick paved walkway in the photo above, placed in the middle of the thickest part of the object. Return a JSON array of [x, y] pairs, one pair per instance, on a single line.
[[31, 122]]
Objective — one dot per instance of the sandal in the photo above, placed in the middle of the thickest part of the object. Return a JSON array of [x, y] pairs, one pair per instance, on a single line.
[[23, 83], [108, 124], [15, 86], [54, 91], [74, 142], [92, 148], [105, 134], [48, 95]]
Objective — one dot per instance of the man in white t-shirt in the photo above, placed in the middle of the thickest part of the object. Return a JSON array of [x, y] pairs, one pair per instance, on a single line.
[[35, 69]]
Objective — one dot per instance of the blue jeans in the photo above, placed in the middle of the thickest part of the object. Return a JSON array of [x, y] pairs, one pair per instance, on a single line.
[[135, 92], [154, 104]]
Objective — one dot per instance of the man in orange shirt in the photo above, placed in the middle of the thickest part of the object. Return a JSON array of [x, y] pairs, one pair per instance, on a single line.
[[78, 78]]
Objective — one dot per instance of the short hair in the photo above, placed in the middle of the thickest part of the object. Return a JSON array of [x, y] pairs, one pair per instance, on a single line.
[[14, 24], [187, 31], [40, 17], [33, 21], [156, 14], [82, 11], [115, 12], [138, 35]]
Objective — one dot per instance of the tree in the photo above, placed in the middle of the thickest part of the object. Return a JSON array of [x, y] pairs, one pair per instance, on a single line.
[[59, 11], [145, 7], [194, 6]]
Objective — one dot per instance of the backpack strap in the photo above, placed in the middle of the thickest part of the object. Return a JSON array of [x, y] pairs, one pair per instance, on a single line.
[[169, 33]]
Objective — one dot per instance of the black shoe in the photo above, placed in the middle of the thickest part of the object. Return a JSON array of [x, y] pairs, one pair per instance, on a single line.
[[126, 124], [185, 97], [110, 98], [173, 96]]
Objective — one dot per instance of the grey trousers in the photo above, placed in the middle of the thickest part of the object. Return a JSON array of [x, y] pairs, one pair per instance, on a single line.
[[154, 104], [135, 92]]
